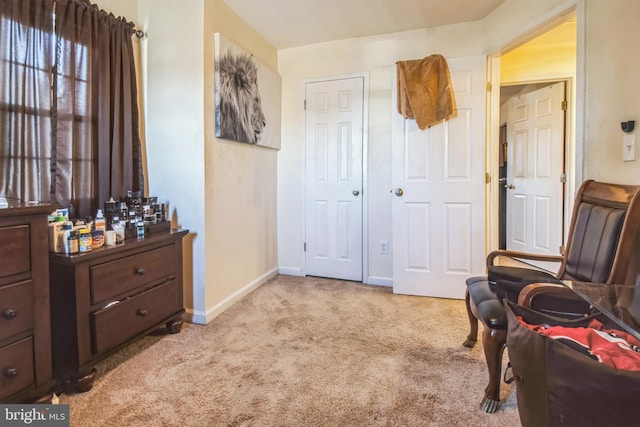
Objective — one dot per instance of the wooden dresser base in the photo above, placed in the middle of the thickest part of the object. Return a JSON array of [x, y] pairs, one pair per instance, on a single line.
[[103, 300]]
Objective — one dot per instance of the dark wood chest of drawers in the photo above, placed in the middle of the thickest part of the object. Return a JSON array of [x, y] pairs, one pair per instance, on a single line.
[[25, 332], [104, 299]]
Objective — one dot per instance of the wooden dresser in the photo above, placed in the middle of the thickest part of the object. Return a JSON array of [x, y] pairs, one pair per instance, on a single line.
[[104, 299], [25, 332]]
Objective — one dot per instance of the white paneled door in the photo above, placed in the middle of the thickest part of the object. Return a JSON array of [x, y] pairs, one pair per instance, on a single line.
[[334, 141], [438, 203], [535, 141]]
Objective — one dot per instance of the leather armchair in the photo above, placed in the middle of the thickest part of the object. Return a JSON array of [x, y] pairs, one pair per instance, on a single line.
[[604, 228]]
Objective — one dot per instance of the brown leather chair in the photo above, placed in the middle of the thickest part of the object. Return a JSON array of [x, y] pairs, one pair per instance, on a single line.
[[603, 231]]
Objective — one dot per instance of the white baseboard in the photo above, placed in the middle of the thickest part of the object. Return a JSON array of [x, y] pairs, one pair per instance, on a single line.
[[380, 281], [197, 317], [203, 318], [371, 280], [291, 271]]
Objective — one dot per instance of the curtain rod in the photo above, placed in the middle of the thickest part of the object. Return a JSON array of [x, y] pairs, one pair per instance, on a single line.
[[139, 33]]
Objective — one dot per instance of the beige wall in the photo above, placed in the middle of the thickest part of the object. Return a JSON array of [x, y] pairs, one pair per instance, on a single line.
[[225, 192], [240, 187], [222, 191], [514, 20], [608, 92], [549, 56], [612, 67], [126, 8]]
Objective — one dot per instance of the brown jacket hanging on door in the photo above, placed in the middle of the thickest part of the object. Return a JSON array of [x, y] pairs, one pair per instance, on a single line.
[[424, 90]]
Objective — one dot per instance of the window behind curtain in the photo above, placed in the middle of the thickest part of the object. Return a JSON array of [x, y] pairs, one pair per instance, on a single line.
[[68, 111], [26, 35]]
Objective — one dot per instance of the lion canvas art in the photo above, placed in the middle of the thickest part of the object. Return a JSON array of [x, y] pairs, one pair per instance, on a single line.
[[248, 97]]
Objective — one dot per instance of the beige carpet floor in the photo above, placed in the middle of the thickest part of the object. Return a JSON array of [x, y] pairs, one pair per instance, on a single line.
[[302, 352]]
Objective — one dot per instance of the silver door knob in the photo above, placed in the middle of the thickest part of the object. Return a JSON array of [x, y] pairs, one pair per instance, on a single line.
[[510, 186], [398, 192], [356, 192]]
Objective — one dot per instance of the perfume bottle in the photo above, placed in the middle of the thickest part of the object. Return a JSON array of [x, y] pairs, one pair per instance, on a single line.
[[140, 229]]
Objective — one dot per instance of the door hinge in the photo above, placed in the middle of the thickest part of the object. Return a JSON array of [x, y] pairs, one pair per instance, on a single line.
[[305, 104], [488, 86], [305, 247], [564, 105], [563, 178], [487, 178], [561, 249]]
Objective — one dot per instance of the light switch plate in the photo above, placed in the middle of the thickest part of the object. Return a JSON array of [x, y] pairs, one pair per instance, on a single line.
[[629, 147]]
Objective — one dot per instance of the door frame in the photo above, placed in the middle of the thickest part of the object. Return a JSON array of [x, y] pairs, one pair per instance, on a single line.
[[574, 145], [365, 162]]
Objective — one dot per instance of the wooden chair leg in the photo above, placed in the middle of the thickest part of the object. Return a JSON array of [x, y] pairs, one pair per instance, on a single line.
[[494, 342], [472, 338]]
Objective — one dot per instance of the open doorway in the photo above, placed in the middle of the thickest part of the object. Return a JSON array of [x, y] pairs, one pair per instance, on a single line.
[[535, 65]]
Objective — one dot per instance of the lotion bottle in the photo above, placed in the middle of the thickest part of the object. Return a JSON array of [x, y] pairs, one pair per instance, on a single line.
[[100, 222]]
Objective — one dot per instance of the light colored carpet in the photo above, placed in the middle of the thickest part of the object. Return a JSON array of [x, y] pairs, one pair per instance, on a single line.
[[302, 352]]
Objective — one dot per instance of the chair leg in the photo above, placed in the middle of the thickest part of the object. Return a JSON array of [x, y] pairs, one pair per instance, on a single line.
[[472, 338], [494, 342]]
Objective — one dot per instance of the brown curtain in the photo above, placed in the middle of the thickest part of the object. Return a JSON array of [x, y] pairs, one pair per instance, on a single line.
[[94, 148]]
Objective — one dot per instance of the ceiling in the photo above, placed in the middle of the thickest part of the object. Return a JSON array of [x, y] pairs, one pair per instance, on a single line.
[[290, 23]]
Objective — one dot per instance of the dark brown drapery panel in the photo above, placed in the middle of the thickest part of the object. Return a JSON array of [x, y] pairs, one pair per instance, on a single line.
[[94, 143]]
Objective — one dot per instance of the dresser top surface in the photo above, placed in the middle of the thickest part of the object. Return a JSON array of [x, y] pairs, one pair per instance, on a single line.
[[15, 209], [150, 241]]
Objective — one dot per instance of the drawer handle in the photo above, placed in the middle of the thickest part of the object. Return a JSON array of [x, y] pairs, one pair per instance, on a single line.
[[143, 312], [11, 373], [139, 270], [9, 314]]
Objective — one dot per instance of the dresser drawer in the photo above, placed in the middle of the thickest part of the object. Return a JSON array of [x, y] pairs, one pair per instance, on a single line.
[[16, 308], [16, 367], [118, 277], [114, 325], [15, 250]]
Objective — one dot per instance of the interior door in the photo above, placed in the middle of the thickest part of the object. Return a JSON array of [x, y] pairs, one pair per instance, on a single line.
[[536, 129], [438, 203], [333, 140]]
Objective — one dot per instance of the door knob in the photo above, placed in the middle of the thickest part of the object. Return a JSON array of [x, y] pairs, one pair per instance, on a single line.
[[355, 192], [398, 192], [510, 186]]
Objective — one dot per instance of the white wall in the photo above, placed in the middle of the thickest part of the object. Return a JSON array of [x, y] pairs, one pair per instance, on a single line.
[[376, 56], [174, 111], [173, 124]]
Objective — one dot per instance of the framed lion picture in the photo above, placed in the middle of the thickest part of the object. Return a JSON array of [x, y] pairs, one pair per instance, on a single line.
[[248, 97]]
